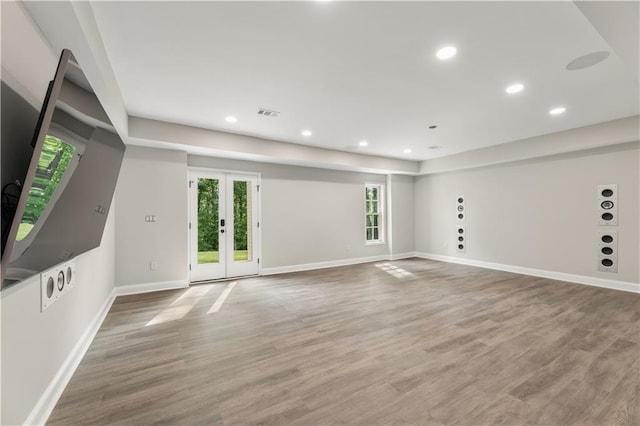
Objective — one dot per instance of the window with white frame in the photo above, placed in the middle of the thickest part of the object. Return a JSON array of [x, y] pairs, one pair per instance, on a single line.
[[373, 208]]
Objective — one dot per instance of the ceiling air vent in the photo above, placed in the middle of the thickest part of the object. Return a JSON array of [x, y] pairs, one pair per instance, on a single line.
[[267, 112]]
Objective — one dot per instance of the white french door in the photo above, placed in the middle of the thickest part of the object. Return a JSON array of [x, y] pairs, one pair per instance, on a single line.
[[223, 225]]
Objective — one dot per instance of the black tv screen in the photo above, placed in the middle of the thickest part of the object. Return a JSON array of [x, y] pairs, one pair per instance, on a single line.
[[68, 188]]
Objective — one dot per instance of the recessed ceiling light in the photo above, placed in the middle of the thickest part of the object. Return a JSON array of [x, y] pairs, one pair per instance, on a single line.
[[557, 110], [407, 151], [231, 119], [306, 133], [434, 147], [515, 88], [447, 53], [433, 126], [363, 143]]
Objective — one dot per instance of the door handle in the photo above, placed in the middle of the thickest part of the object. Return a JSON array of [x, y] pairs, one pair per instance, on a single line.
[[222, 231]]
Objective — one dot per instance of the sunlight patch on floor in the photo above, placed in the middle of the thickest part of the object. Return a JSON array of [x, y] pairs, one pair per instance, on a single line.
[[218, 304], [394, 270], [181, 306]]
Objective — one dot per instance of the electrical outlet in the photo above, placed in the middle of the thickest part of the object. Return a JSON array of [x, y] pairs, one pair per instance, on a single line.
[[153, 265]]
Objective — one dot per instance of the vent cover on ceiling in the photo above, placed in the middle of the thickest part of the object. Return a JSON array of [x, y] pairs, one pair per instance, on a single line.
[[267, 112]]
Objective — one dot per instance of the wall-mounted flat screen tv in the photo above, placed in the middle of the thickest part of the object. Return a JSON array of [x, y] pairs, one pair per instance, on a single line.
[[67, 191]]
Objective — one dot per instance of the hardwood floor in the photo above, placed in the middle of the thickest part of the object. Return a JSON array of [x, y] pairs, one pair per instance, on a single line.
[[402, 342]]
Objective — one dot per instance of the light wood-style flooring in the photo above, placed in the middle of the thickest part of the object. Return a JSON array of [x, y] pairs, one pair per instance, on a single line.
[[403, 342]]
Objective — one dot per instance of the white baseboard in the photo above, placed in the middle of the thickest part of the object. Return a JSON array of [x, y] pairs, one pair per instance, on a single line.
[[406, 255], [561, 276], [321, 265], [125, 290], [52, 393]]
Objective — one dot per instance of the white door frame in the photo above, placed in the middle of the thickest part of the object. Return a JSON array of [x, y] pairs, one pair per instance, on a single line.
[[257, 211]]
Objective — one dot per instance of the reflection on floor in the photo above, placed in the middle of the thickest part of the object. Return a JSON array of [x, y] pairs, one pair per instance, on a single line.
[[181, 306], [392, 269], [400, 342], [216, 306]]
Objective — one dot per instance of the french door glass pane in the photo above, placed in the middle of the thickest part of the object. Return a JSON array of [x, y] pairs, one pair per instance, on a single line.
[[208, 220], [241, 220]]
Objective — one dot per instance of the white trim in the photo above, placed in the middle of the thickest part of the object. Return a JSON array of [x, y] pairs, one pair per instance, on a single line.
[[259, 219], [198, 169], [125, 290], [374, 243], [561, 276], [49, 398], [399, 256], [322, 265], [389, 216]]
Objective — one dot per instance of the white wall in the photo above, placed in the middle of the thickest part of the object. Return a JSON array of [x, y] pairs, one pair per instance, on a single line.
[[36, 344], [402, 212], [152, 182], [312, 215], [309, 215], [539, 214]]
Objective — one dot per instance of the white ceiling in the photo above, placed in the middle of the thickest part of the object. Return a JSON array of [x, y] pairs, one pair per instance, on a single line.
[[352, 71]]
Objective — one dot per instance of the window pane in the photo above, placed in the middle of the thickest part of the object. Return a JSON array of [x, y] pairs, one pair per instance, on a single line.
[[241, 221], [208, 221], [368, 193], [373, 219]]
